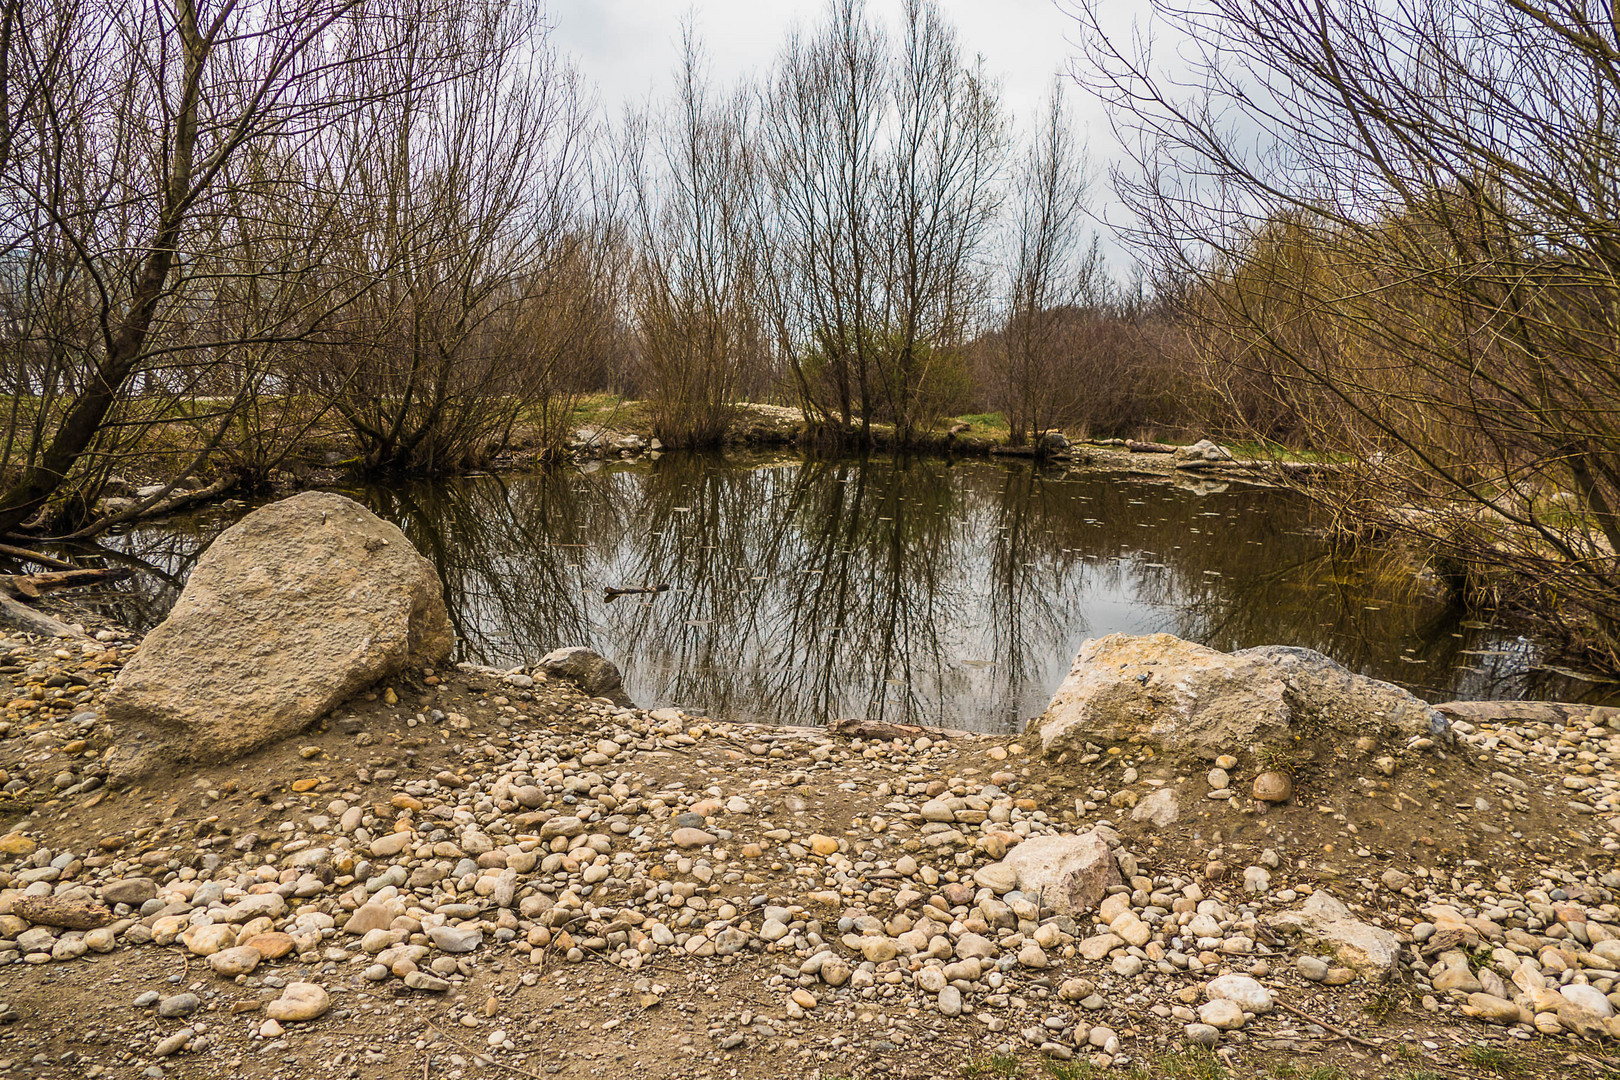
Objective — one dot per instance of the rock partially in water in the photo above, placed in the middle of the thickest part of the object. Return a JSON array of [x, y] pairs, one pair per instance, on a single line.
[[1179, 696], [588, 670], [296, 607]]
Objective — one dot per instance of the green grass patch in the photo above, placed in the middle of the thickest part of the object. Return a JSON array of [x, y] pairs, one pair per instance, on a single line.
[[1192, 1063], [994, 1065], [993, 423], [1077, 1069], [1494, 1060]]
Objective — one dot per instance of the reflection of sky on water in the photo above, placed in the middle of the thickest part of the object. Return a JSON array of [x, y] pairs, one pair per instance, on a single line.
[[920, 591]]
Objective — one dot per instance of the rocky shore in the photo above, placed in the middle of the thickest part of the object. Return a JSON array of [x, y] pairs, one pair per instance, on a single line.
[[470, 872]]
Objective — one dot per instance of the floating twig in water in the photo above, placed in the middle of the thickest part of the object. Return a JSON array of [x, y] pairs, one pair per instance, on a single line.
[[610, 593]]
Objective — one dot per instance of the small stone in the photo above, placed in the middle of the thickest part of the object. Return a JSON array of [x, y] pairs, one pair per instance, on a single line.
[[1222, 1014], [1203, 1034], [879, 949], [456, 939], [240, 960], [369, 917], [804, 999], [299, 1001], [1241, 989], [823, 845], [178, 1005], [998, 877], [950, 1001], [692, 838], [1588, 997], [421, 980], [1274, 787], [835, 971], [131, 891], [1312, 968], [1127, 965], [173, 1044], [1492, 1009], [271, 946]]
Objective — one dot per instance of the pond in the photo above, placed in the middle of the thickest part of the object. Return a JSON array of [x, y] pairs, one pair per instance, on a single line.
[[948, 593]]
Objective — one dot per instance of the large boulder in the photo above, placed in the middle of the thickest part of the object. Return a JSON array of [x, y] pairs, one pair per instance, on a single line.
[[1068, 873], [1179, 696], [292, 610]]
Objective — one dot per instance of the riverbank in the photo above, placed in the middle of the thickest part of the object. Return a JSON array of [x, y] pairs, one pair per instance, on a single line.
[[485, 872]]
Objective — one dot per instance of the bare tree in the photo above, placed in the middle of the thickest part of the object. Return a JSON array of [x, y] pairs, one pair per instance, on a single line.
[[824, 112], [696, 226], [941, 177], [122, 128], [469, 220], [1444, 173], [1053, 271]]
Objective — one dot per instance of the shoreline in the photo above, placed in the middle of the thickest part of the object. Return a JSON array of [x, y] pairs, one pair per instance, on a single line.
[[478, 852]]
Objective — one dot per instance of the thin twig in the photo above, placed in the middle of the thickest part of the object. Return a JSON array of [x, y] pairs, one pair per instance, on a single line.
[[1340, 1032]]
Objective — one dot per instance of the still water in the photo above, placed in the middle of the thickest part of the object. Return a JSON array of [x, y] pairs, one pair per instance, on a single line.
[[917, 591]]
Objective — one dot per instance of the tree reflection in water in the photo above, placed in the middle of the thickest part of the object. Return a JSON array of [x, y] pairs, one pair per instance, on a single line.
[[918, 591]]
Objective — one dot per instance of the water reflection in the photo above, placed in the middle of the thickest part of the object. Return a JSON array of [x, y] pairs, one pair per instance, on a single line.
[[919, 591]]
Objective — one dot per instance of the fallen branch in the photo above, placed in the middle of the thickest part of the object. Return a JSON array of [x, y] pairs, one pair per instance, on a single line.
[[1136, 447], [877, 729], [157, 507], [34, 556], [1518, 712], [26, 619], [32, 586]]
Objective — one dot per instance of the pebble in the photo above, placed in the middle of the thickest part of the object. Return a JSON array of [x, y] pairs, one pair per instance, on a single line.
[[300, 1001], [179, 1005]]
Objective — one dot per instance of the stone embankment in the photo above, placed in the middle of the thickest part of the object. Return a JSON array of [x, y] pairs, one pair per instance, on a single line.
[[467, 871]]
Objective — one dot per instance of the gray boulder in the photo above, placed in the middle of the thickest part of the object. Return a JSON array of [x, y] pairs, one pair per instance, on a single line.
[[292, 610], [1179, 696], [1068, 873], [1202, 450], [588, 670]]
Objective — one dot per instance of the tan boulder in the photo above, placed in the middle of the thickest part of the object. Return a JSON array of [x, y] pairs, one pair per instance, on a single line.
[[1177, 695], [292, 610]]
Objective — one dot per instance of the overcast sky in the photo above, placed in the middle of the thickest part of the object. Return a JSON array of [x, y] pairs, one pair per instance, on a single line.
[[629, 48]]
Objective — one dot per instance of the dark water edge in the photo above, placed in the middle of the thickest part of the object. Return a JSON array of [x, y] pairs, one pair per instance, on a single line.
[[913, 590]]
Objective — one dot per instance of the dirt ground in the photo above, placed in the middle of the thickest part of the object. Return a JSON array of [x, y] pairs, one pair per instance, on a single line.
[[1463, 819]]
